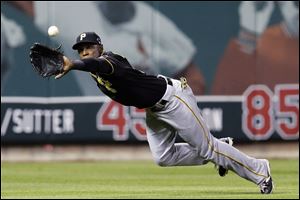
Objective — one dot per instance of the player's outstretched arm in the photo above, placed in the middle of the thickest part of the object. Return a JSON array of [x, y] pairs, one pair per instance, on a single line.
[[68, 65], [102, 66]]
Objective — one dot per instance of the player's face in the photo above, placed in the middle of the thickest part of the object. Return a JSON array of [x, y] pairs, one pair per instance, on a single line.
[[88, 51]]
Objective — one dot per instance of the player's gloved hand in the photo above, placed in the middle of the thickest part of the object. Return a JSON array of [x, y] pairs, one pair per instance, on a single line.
[[45, 60], [67, 66], [255, 15]]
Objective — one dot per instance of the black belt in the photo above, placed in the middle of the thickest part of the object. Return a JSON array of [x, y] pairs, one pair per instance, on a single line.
[[161, 104], [169, 81]]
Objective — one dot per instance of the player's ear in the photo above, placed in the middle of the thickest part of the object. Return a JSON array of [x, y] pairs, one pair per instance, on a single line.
[[100, 49]]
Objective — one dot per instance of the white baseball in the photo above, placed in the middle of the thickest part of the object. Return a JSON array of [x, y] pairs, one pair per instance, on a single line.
[[53, 31]]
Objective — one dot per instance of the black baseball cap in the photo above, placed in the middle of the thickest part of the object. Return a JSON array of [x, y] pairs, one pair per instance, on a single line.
[[87, 37]]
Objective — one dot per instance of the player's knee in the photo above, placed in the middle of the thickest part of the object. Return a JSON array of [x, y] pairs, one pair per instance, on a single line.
[[162, 162]]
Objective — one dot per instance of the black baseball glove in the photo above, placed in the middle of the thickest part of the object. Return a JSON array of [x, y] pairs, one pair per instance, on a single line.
[[45, 60]]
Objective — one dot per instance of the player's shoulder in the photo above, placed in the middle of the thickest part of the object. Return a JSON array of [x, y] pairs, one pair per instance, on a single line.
[[108, 53], [111, 54]]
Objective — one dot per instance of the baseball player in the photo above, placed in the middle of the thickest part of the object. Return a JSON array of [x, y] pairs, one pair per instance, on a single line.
[[171, 109]]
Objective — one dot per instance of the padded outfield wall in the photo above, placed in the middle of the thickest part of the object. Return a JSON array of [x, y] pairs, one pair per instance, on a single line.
[[240, 58]]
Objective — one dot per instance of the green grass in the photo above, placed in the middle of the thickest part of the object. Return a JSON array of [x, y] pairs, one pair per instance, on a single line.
[[138, 179]]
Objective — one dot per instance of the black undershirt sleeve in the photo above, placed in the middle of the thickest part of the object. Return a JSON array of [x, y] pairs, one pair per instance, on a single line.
[[93, 65]]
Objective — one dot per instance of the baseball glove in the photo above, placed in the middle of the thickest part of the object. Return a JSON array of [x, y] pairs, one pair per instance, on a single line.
[[46, 61]]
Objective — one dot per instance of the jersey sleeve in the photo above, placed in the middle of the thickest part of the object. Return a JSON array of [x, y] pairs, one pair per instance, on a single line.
[[100, 65]]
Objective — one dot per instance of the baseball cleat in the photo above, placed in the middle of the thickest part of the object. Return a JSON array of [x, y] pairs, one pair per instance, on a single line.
[[223, 171], [267, 186]]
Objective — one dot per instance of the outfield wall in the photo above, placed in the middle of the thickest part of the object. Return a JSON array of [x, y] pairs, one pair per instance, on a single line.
[[241, 58], [259, 115]]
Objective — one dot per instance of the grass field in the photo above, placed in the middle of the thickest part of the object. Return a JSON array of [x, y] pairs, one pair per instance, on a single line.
[[139, 179]]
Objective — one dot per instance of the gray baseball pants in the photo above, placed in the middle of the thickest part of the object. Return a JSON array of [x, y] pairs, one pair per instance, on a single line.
[[182, 116]]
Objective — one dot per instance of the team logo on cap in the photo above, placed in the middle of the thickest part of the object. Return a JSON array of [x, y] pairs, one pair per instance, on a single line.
[[82, 35]]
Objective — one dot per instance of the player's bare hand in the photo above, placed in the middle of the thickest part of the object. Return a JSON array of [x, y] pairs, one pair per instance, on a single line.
[[67, 67]]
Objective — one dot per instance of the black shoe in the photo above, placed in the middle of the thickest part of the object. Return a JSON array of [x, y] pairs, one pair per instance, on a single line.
[[267, 186], [223, 171]]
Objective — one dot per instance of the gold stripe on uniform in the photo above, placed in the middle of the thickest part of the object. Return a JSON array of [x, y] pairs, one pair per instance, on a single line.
[[209, 143], [112, 67]]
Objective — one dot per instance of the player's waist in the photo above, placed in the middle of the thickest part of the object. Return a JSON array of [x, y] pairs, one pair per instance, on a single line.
[[167, 96]]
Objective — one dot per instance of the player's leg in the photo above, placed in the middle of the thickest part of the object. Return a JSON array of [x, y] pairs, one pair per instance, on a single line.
[[161, 138], [222, 170], [183, 114]]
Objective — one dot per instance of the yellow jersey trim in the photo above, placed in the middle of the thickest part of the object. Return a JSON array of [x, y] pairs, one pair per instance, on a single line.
[[103, 82], [112, 67]]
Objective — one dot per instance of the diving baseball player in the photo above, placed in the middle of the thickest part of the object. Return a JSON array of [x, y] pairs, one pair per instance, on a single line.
[[171, 110]]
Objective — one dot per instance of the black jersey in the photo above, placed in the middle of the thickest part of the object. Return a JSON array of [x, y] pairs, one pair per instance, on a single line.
[[116, 78]]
